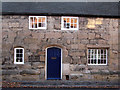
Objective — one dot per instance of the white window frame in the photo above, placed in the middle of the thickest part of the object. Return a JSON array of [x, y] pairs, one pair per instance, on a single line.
[[62, 23], [37, 22], [15, 56], [97, 56]]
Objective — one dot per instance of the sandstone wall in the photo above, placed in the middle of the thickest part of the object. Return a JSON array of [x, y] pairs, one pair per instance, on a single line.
[[16, 32]]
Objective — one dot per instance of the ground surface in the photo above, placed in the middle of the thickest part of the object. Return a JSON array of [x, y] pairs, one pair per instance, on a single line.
[[60, 84], [59, 89]]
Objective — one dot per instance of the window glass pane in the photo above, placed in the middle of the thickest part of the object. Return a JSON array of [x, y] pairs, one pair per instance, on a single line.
[[43, 25], [43, 19], [71, 20], [31, 19], [101, 61], [72, 26], [17, 55], [39, 20], [104, 51], [21, 55], [75, 25], [17, 51], [95, 61], [20, 59], [104, 61], [21, 51], [101, 51], [40, 24], [75, 20], [68, 20], [98, 61], [64, 19], [68, 25], [92, 61]]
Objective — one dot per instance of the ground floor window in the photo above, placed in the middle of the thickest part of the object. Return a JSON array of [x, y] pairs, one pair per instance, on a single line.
[[97, 56], [18, 55]]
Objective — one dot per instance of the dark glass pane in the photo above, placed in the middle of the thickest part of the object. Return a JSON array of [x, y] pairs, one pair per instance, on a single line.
[[101, 61], [104, 61], [68, 25], [101, 56], [20, 59], [21, 55], [88, 56], [104, 51], [21, 51], [64, 21], [40, 25], [17, 55], [92, 61], [17, 51], [95, 61], [98, 61], [101, 51], [35, 25], [17, 59]]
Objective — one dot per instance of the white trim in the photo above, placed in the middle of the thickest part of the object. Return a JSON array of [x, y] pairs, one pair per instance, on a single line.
[[62, 24], [46, 61], [15, 56], [37, 22]]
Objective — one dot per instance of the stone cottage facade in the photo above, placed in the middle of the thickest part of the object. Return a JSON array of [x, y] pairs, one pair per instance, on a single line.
[[85, 49]]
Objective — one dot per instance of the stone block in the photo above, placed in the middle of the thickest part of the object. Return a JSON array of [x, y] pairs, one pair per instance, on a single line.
[[38, 35], [82, 35], [9, 67], [38, 65], [91, 35], [74, 46], [81, 46], [68, 41], [41, 53], [66, 69], [95, 72], [97, 36], [10, 72], [29, 72], [30, 78], [102, 42], [53, 35], [84, 41], [105, 72], [42, 58], [68, 35], [80, 68], [30, 40]]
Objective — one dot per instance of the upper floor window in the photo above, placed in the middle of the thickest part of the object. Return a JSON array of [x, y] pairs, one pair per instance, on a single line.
[[97, 56], [69, 23], [19, 55], [37, 22]]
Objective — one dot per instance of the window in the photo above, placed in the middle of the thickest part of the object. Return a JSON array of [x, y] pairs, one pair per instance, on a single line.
[[97, 56], [37, 22], [18, 55], [69, 23]]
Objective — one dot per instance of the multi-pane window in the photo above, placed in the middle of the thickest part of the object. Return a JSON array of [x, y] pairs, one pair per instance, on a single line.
[[37, 22], [69, 23], [18, 55], [97, 56]]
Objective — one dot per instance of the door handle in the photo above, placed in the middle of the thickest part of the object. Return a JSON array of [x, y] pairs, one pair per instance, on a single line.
[[53, 57]]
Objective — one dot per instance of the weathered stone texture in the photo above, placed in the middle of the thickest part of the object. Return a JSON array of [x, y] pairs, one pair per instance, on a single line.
[[74, 44]]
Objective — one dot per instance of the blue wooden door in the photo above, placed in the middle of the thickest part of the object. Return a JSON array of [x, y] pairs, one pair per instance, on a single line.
[[54, 63]]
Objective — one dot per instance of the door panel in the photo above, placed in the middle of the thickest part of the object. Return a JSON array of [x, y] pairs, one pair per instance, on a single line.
[[53, 63]]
